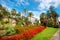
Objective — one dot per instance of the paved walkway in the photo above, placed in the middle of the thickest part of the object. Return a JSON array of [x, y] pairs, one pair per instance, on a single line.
[[56, 35]]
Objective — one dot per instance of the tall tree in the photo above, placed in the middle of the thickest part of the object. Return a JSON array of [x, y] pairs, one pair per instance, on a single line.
[[30, 15], [42, 16], [54, 14], [18, 15], [13, 13], [3, 11], [1, 14], [25, 11], [43, 19]]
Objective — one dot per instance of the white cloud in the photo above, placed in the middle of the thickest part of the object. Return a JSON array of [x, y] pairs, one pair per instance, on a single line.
[[37, 0], [16, 3], [23, 2], [45, 4], [27, 3]]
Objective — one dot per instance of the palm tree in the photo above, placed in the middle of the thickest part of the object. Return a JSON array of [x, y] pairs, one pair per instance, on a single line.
[[18, 15], [13, 13], [30, 15], [25, 11], [42, 16]]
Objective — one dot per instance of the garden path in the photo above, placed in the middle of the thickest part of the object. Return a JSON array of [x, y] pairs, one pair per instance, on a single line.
[[56, 35]]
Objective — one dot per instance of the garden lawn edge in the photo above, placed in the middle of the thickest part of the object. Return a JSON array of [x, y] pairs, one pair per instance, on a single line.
[[45, 34]]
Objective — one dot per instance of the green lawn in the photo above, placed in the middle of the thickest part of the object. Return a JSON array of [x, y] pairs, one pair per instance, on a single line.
[[46, 34]]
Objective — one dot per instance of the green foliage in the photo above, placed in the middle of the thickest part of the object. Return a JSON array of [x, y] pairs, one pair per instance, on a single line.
[[8, 30], [51, 14], [36, 22], [19, 24], [42, 16], [43, 19], [50, 23], [54, 14], [25, 11], [6, 22], [30, 14]]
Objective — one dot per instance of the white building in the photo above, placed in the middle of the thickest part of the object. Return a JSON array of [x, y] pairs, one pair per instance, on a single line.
[[32, 19]]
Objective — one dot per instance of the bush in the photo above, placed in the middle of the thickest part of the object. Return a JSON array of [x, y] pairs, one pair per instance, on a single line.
[[50, 23], [9, 30], [56, 26]]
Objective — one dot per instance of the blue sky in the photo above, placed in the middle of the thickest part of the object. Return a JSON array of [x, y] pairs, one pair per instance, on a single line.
[[35, 6]]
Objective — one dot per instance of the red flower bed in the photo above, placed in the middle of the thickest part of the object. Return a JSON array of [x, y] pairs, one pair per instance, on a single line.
[[25, 35]]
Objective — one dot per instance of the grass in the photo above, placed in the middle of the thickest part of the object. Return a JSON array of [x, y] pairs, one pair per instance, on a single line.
[[45, 35]]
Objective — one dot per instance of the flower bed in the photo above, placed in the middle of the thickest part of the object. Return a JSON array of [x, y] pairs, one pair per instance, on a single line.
[[27, 35]]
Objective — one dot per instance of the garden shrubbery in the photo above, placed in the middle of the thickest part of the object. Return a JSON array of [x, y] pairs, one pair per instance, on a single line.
[[50, 23], [7, 30], [25, 33]]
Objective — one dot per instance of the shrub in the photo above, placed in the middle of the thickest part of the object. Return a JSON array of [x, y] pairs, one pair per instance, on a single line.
[[50, 23], [9, 30], [56, 26]]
